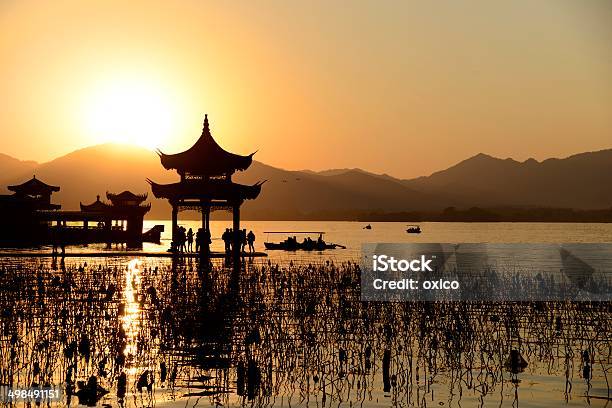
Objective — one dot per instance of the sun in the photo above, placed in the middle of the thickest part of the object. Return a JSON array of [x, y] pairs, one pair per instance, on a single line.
[[135, 112]]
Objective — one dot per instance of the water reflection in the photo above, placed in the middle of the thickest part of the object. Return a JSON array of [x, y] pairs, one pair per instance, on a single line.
[[129, 310], [145, 332]]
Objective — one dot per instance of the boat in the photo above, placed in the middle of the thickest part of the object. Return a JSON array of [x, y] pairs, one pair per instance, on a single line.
[[368, 227], [292, 243], [413, 229], [285, 246]]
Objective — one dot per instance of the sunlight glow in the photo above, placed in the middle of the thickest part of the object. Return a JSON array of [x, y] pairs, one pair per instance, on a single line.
[[130, 320], [132, 111]]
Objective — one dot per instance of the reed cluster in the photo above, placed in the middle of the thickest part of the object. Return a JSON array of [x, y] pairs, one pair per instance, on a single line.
[[137, 333]]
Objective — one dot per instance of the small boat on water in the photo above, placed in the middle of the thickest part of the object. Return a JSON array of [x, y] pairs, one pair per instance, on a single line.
[[413, 229], [292, 243], [368, 227]]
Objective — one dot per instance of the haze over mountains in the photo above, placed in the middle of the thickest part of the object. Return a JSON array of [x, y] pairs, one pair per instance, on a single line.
[[581, 181]]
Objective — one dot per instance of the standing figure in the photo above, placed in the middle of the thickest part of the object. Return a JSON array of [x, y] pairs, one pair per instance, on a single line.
[[251, 241], [227, 241], [182, 239], [190, 240], [243, 239]]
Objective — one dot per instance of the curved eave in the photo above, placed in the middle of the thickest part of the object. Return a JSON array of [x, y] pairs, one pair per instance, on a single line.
[[144, 208], [97, 206], [33, 189], [206, 164], [206, 191], [126, 196], [115, 209]]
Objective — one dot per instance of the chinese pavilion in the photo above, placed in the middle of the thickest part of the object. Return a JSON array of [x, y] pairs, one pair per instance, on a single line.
[[28, 218], [206, 183], [125, 206], [35, 194], [20, 220]]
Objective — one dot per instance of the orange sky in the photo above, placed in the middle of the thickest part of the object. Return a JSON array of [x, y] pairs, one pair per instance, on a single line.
[[405, 87]]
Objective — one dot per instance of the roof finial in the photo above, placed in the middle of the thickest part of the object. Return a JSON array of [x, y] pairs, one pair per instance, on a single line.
[[206, 128]]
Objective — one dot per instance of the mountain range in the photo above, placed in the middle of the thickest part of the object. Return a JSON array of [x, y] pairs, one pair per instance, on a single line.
[[580, 181]]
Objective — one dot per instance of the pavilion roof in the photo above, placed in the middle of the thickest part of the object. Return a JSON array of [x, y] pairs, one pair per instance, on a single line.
[[126, 196], [33, 187], [96, 206], [126, 202], [206, 158], [207, 190]]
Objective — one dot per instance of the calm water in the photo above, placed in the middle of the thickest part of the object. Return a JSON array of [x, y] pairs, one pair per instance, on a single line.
[[352, 234], [290, 334]]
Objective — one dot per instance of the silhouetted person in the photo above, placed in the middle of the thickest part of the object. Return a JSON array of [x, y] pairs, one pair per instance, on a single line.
[[182, 238], [251, 241], [190, 240], [243, 239], [227, 241]]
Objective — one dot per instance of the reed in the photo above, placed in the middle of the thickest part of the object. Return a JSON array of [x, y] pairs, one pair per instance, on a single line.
[[137, 333]]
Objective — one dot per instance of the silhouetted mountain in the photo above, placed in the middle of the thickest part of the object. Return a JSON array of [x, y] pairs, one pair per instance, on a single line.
[[11, 168], [579, 181], [299, 194], [337, 172], [85, 173]]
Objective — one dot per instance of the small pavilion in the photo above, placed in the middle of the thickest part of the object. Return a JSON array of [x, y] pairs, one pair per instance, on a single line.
[[20, 212], [28, 217], [206, 184], [124, 208], [35, 193]]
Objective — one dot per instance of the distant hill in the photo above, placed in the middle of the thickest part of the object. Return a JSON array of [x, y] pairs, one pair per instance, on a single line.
[[299, 194], [581, 181], [11, 168], [85, 173]]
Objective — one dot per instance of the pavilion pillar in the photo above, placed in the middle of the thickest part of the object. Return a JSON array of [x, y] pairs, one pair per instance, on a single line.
[[236, 237], [108, 231], [206, 229], [203, 208], [174, 224]]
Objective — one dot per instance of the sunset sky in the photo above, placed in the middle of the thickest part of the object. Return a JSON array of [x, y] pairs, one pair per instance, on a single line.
[[400, 87]]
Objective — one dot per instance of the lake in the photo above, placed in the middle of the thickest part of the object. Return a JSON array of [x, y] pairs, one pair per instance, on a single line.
[[157, 332], [352, 234]]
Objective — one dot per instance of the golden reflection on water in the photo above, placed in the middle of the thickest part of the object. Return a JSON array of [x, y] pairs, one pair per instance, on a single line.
[[130, 319]]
